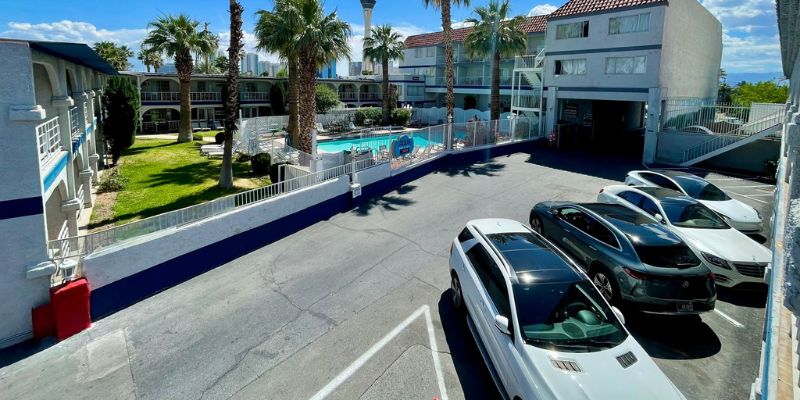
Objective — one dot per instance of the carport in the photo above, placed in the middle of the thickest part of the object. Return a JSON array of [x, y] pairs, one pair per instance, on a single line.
[[603, 126]]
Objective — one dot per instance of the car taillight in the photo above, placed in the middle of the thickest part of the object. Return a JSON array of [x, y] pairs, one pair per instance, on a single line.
[[712, 276], [636, 274]]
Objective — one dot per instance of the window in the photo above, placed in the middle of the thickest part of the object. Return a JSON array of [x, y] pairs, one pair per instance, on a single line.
[[626, 65], [571, 67], [631, 197], [418, 52], [660, 181], [573, 30], [412, 91], [430, 51], [201, 86], [492, 279], [160, 86], [601, 233], [465, 235], [629, 24], [649, 206]]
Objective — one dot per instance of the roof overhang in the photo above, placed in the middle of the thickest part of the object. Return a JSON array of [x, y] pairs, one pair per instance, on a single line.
[[77, 53]]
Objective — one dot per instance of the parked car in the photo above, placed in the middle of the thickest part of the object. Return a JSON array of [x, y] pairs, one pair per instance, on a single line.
[[733, 257], [630, 257], [737, 214], [543, 329]]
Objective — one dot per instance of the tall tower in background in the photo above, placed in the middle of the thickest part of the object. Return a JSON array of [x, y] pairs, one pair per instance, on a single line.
[[368, 5]]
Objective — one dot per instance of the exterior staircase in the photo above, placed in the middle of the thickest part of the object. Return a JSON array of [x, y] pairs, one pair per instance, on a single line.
[[528, 74], [762, 128]]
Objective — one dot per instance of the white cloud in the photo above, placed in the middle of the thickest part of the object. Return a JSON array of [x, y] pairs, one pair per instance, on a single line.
[[461, 24], [542, 9], [73, 31]]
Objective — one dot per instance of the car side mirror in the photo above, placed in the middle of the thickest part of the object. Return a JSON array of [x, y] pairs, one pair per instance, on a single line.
[[618, 314], [501, 323], [660, 218]]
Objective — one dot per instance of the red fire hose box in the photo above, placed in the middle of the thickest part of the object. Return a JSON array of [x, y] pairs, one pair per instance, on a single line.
[[70, 304]]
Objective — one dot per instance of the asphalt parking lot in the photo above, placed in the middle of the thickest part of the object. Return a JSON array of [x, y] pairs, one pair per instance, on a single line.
[[358, 307]]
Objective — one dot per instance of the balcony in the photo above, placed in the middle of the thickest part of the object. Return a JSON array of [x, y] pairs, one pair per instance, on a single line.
[[75, 128], [348, 96], [370, 96], [470, 81], [49, 137], [161, 97], [160, 126], [254, 96], [206, 96]]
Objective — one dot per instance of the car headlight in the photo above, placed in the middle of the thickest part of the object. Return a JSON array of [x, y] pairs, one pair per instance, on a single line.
[[714, 260]]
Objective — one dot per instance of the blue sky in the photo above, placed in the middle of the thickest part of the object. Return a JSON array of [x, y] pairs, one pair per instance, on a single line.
[[750, 31]]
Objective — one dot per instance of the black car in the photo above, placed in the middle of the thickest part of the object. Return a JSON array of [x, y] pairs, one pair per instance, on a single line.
[[629, 256]]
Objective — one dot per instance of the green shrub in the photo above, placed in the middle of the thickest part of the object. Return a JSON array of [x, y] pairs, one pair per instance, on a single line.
[[374, 114], [241, 157], [401, 116], [112, 181], [122, 106], [326, 99], [260, 164], [273, 171], [197, 138]]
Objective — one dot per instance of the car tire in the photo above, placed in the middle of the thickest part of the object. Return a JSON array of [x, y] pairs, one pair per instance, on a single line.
[[606, 284], [456, 294], [536, 224]]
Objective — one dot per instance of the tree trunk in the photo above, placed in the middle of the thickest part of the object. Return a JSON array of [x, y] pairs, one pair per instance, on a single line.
[[385, 89], [148, 68], [307, 87], [495, 86], [292, 127], [447, 29], [208, 66], [185, 127], [232, 100]]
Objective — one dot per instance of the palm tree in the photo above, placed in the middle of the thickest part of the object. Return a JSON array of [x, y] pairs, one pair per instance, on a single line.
[[447, 30], [232, 100], [177, 37], [275, 32], [495, 35], [150, 59], [384, 44], [115, 55], [321, 38]]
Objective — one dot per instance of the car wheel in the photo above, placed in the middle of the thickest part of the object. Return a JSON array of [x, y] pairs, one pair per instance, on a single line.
[[536, 224], [456, 293], [606, 285]]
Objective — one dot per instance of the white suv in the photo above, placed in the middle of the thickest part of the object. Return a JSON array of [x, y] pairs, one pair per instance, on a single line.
[[543, 329]]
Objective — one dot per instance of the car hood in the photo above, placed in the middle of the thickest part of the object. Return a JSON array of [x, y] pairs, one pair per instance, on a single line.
[[602, 376], [729, 244], [733, 209]]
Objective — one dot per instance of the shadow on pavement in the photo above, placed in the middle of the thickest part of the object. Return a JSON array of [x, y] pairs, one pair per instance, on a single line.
[[673, 337], [484, 169], [611, 167], [388, 202], [473, 374], [11, 355], [755, 297]]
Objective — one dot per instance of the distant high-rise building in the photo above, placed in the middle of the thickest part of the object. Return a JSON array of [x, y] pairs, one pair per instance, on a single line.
[[355, 68], [368, 5], [327, 71], [263, 66], [168, 68], [249, 64]]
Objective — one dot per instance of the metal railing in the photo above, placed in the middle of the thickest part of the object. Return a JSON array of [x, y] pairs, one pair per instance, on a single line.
[[774, 121], [87, 244], [530, 61], [348, 96], [49, 137], [86, 118], [527, 101], [205, 96], [254, 96], [75, 127], [160, 97], [370, 96], [475, 80]]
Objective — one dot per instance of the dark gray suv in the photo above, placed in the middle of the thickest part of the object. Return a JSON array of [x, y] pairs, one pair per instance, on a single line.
[[629, 256]]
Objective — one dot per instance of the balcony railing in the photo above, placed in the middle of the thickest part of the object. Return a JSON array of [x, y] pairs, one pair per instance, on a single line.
[[254, 96], [161, 97], [160, 126], [206, 96], [348, 96], [49, 136], [86, 118], [530, 60], [75, 127], [470, 81], [370, 96], [527, 101]]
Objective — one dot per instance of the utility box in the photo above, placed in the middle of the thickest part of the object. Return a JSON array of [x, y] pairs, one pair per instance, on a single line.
[[70, 305]]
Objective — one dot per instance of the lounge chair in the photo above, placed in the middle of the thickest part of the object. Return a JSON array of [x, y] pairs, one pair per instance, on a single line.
[[320, 128]]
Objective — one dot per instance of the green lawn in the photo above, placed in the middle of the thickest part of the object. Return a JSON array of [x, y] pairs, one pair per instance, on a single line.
[[164, 175]]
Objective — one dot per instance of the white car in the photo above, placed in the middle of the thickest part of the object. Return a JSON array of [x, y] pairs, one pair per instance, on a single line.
[[732, 256], [737, 214], [542, 327]]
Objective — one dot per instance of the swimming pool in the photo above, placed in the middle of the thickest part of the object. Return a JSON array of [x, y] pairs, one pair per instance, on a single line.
[[374, 143]]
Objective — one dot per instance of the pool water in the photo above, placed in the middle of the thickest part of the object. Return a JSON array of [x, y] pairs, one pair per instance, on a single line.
[[374, 143]]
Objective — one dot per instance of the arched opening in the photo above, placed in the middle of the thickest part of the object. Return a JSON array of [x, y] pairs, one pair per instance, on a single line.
[[160, 120], [348, 92], [43, 89], [55, 219]]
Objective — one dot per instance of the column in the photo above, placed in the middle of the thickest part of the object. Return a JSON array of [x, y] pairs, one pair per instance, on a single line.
[[85, 174], [552, 111], [653, 125], [92, 143]]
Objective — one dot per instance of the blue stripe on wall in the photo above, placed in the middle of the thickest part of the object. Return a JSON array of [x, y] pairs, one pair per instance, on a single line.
[[603, 89], [604, 50], [21, 207], [129, 290], [53, 173]]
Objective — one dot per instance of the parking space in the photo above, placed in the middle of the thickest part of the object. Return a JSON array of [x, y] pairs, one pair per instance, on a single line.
[[358, 307]]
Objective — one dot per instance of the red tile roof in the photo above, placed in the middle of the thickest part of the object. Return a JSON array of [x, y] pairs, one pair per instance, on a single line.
[[529, 25], [576, 7]]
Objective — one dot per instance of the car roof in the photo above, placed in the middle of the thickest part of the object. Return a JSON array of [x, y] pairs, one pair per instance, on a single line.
[[531, 258], [497, 225], [661, 193], [637, 227], [671, 173]]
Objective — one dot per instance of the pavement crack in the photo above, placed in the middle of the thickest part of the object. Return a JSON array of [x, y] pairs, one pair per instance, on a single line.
[[390, 232], [387, 369]]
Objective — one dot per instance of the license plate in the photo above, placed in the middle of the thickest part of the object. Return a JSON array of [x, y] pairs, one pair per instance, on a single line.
[[685, 307]]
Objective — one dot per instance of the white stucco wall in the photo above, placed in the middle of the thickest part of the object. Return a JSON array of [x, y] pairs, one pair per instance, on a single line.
[[691, 52], [118, 262]]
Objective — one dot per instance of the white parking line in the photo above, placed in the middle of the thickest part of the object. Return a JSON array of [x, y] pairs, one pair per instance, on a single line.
[[728, 318], [722, 179], [751, 197], [765, 187], [360, 361]]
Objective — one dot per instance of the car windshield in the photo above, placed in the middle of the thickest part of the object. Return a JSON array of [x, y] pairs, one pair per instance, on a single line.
[[566, 316], [672, 256], [686, 213], [699, 189]]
